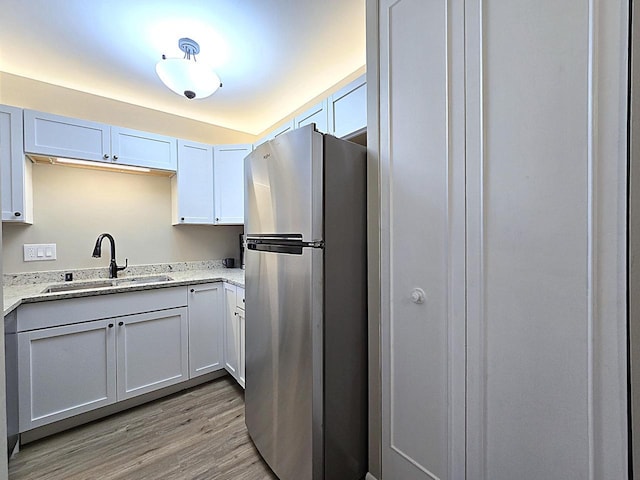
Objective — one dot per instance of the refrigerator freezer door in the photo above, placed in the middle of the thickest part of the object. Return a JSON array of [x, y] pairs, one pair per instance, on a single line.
[[283, 394], [283, 190]]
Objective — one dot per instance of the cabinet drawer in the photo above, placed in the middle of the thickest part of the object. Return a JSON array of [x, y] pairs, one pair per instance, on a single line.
[[53, 313], [240, 297]]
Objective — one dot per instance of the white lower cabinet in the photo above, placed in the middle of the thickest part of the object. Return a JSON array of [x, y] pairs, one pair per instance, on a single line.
[[152, 351], [75, 368], [234, 332], [71, 361], [65, 371], [241, 329], [206, 337]]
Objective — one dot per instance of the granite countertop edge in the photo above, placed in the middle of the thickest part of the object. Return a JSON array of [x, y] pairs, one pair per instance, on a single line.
[[16, 295]]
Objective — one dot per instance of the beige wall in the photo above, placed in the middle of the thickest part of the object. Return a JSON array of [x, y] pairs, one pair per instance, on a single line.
[[27, 93], [72, 206]]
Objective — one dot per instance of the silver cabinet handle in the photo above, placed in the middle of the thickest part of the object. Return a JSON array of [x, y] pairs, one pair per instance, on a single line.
[[115, 157], [105, 156]]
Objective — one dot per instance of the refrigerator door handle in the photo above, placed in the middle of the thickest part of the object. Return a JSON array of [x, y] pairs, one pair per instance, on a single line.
[[282, 246]]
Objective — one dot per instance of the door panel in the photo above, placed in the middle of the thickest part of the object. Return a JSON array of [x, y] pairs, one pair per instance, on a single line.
[[284, 178], [65, 371], [279, 349], [231, 331], [228, 177], [58, 136], [422, 183], [143, 149], [152, 351], [205, 329]]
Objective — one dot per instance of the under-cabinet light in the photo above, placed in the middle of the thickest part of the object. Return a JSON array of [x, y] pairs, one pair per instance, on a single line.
[[113, 166]]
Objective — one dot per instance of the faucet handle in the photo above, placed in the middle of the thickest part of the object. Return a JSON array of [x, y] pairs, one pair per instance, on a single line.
[[126, 264]]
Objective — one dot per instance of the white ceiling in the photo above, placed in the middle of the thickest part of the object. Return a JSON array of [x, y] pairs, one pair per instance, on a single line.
[[272, 56]]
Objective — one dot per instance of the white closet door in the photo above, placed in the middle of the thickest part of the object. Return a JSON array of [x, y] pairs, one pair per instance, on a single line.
[[545, 182], [422, 219]]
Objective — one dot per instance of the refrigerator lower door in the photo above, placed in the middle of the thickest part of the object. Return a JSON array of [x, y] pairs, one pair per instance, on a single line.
[[283, 395]]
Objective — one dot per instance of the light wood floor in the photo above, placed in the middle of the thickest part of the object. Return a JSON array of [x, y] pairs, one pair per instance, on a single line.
[[198, 434]]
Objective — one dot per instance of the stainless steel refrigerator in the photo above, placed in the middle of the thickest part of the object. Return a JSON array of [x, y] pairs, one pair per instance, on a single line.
[[305, 291]]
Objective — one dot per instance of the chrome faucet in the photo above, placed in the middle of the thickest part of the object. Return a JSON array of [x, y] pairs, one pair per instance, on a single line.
[[113, 267]]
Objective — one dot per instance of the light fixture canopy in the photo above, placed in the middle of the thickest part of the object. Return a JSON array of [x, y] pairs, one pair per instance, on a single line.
[[185, 76]]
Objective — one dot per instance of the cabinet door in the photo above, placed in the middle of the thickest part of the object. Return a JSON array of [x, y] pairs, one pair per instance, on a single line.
[[422, 191], [287, 127], [240, 297], [152, 351], [231, 331], [241, 343], [317, 114], [143, 149], [348, 109], [206, 338], [192, 186], [57, 136], [65, 371], [15, 168], [228, 174]]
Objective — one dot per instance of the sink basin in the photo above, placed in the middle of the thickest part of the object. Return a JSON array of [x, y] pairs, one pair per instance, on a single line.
[[141, 280], [68, 287], [115, 282]]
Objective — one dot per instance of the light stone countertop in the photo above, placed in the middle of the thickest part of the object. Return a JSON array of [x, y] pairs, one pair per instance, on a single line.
[[17, 294]]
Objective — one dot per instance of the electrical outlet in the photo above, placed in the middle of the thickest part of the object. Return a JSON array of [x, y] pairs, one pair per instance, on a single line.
[[39, 252]]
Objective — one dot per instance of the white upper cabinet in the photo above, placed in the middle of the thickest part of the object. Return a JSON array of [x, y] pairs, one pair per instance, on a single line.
[[143, 149], [228, 174], [317, 114], [287, 127], [15, 169], [58, 136], [348, 109], [343, 114], [192, 186]]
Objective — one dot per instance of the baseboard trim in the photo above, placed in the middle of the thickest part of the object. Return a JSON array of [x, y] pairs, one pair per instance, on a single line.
[[370, 477]]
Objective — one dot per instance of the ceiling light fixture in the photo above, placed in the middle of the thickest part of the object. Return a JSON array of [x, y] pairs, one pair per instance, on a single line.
[[185, 76]]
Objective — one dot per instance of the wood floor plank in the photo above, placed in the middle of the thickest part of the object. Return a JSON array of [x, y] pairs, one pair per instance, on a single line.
[[198, 434]]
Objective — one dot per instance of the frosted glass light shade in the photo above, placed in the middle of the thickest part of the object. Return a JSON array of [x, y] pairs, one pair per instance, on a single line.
[[182, 76]]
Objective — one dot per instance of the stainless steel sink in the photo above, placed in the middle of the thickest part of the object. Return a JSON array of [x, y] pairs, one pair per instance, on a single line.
[[115, 282], [141, 280], [68, 287]]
